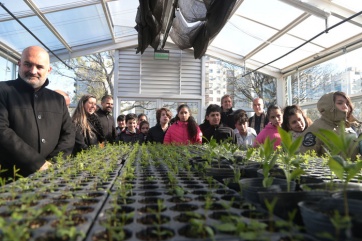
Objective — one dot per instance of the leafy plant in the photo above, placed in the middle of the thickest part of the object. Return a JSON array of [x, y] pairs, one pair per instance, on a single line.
[[269, 158], [340, 149], [291, 162]]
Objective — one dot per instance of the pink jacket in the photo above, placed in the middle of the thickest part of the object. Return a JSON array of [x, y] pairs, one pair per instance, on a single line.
[[271, 132], [177, 133]]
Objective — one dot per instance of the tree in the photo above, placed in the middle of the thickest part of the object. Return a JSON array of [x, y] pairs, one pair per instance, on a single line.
[[246, 88], [92, 74], [312, 84]]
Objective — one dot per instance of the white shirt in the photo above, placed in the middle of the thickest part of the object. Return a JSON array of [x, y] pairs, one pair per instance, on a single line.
[[248, 140]]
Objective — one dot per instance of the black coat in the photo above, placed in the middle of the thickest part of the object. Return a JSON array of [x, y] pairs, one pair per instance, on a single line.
[[156, 134], [129, 137], [84, 142], [34, 126], [108, 125], [227, 118], [220, 133]]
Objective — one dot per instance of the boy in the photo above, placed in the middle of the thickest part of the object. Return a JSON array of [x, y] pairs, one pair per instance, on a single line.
[[245, 135], [131, 133], [212, 126]]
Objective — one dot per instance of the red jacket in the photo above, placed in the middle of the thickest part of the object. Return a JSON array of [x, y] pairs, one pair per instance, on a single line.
[[177, 133]]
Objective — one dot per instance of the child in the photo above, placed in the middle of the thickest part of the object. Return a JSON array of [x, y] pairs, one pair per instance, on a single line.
[[334, 107], [245, 135], [131, 133], [121, 122], [185, 130], [157, 133], [213, 128], [295, 121], [275, 116], [144, 127]]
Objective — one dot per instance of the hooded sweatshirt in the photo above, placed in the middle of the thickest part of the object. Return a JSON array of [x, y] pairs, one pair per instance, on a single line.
[[330, 119]]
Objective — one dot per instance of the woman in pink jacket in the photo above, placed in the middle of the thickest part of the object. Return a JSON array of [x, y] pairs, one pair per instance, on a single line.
[[275, 117], [185, 130]]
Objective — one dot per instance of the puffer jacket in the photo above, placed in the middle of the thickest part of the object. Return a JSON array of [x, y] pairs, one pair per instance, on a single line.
[[177, 134], [270, 131], [330, 119]]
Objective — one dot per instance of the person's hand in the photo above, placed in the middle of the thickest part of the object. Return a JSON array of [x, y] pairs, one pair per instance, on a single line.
[[45, 166]]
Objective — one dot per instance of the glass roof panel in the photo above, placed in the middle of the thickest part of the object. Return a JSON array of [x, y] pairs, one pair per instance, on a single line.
[[260, 11], [313, 26], [15, 36], [62, 4], [282, 46], [241, 35], [18, 8], [81, 25], [353, 5], [123, 17]]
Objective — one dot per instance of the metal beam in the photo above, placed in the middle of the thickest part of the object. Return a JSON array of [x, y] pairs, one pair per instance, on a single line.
[[9, 53], [327, 54], [108, 18], [279, 34], [239, 61], [41, 16]]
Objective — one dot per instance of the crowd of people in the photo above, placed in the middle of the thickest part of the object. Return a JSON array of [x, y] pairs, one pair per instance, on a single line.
[[35, 125]]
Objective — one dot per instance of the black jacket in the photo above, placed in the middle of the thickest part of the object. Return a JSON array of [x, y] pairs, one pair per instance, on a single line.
[[127, 137], [34, 126], [220, 133], [84, 142], [227, 118], [156, 134], [108, 125]]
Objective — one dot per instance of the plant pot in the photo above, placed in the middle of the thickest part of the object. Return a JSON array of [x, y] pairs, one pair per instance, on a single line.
[[220, 173], [317, 218], [287, 202], [251, 186]]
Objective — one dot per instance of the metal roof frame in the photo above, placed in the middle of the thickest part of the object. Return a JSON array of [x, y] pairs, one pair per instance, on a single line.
[[118, 14]]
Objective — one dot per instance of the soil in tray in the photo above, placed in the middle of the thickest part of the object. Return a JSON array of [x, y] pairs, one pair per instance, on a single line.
[[180, 199], [107, 235], [222, 214], [80, 210], [117, 220], [155, 234], [74, 220], [189, 231], [150, 209], [120, 210], [86, 202], [150, 200], [187, 216], [184, 207], [153, 219], [203, 198]]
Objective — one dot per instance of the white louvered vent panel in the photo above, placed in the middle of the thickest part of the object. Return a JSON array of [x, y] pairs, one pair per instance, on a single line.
[[190, 75], [142, 74], [160, 77], [129, 72]]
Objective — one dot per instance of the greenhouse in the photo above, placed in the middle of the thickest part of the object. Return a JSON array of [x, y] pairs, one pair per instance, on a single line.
[[154, 54]]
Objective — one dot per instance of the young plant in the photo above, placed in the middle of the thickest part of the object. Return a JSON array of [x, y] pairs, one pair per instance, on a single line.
[[340, 149], [291, 163], [269, 157]]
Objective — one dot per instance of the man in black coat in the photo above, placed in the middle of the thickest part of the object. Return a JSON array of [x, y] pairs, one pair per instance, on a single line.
[[35, 125], [106, 119], [259, 120]]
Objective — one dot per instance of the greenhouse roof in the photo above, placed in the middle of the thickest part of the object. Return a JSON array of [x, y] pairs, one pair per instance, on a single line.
[[257, 32]]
